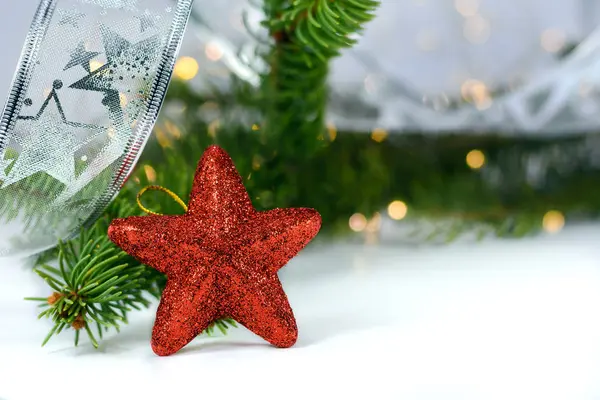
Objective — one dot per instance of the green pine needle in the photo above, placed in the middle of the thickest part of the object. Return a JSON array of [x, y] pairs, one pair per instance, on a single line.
[[95, 284], [322, 27]]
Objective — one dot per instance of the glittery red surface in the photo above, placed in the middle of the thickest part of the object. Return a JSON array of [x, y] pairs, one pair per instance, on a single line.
[[221, 258]]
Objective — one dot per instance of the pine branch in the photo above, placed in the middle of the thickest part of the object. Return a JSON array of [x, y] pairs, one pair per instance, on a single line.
[[96, 284], [320, 27], [293, 96]]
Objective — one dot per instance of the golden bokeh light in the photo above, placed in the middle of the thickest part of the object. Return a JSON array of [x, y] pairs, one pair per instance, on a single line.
[[213, 51], [467, 8], [379, 135], [553, 221], [397, 210], [150, 173], [186, 68], [553, 40], [255, 127], [358, 222], [476, 92], [475, 159]]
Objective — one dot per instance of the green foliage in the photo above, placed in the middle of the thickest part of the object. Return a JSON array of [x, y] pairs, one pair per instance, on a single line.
[[306, 35], [319, 28], [287, 158], [95, 286], [96, 283], [355, 174], [351, 174]]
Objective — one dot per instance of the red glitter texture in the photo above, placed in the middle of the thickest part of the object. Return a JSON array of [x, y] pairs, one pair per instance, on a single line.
[[221, 258]]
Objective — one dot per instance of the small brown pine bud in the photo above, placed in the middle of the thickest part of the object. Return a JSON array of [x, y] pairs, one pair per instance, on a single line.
[[54, 297], [79, 323], [278, 36]]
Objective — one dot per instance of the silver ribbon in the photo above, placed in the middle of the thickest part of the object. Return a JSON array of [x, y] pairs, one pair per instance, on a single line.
[[88, 89]]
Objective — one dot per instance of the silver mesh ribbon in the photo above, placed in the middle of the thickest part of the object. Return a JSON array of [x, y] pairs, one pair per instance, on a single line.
[[85, 97]]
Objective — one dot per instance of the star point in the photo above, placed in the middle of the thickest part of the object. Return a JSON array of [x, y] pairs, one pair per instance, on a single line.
[[49, 148], [80, 56], [221, 258], [128, 65]]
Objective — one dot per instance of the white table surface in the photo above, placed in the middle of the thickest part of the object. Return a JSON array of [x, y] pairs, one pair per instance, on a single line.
[[514, 319]]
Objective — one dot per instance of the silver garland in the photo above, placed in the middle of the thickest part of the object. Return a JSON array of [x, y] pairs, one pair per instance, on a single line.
[[88, 88]]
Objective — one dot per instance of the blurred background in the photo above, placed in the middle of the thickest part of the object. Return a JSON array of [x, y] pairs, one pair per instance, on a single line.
[[463, 117], [459, 118]]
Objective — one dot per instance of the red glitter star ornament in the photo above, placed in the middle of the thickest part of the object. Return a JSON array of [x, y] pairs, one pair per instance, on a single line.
[[221, 258]]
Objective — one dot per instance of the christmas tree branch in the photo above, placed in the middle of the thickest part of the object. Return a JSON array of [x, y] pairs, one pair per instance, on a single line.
[[307, 34], [319, 27], [95, 284], [352, 174], [289, 160]]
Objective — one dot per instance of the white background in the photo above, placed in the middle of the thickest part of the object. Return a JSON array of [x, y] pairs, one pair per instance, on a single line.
[[499, 320]]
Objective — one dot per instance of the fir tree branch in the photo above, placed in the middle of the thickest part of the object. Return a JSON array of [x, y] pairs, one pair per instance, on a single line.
[[289, 161], [96, 284], [320, 27], [307, 35]]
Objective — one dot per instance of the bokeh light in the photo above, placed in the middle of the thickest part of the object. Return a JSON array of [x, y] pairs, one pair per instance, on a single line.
[[475, 159], [186, 68], [358, 222], [150, 173], [476, 92], [379, 135], [397, 210], [553, 40], [467, 8], [553, 221], [213, 51]]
